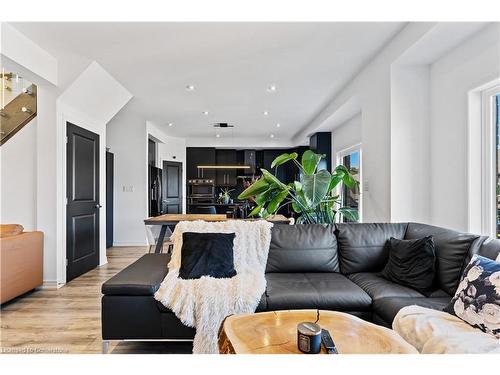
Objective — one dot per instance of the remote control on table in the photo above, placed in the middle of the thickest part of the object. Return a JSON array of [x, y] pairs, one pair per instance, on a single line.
[[328, 343]]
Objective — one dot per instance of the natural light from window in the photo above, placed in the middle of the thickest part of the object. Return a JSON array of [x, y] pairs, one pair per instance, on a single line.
[[351, 159]]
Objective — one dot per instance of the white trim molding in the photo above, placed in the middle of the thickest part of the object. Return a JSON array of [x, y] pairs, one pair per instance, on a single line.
[[338, 160], [481, 160]]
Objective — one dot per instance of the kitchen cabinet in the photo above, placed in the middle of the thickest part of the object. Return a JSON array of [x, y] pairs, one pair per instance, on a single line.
[[200, 156], [225, 176], [321, 143]]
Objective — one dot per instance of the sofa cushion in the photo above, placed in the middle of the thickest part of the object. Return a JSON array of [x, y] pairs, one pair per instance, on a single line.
[[141, 278], [477, 299], [365, 247], [328, 291], [387, 308], [452, 249], [412, 263], [207, 254], [490, 248], [303, 248], [379, 287]]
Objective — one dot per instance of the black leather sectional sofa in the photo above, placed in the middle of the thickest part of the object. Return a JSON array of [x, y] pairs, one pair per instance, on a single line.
[[331, 267]]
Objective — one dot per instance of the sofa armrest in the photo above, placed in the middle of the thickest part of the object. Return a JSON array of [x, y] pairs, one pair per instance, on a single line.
[[141, 278], [21, 264]]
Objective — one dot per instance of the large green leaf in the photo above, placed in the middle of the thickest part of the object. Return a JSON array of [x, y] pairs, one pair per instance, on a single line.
[[315, 187], [341, 170], [296, 207], [256, 188], [341, 173], [268, 195], [283, 158], [350, 214], [274, 204], [310, 161], [255, 211], [335, 180], [272, 179], [299, 202]]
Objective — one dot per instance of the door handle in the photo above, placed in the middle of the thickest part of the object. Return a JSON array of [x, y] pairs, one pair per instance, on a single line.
[[98, 206]]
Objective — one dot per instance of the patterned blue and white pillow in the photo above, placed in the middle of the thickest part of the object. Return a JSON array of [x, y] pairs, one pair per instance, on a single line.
[[477, 299]]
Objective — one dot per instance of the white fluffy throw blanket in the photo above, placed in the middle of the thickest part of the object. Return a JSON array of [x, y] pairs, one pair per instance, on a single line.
[[204, 303], [437, 332]]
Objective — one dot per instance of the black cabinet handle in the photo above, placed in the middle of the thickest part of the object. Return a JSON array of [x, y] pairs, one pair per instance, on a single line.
[[98, 206]]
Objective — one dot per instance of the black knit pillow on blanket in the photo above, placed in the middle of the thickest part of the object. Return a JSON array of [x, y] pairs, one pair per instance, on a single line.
[[207, 254]]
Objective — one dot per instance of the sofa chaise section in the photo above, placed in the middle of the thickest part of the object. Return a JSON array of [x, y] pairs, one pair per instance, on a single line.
[[129, 310]]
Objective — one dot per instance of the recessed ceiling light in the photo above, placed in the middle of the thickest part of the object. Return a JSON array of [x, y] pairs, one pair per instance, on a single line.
[[272, 88], [265, 113], [217, 135], [190, 87], [271, 136], [170, 124], [205, 113], [278, 125]]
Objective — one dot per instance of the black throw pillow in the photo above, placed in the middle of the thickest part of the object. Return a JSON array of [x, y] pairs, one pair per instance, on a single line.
[[207, 254], [412, 263]]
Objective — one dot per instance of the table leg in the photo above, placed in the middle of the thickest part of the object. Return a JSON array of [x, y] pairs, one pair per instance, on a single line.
[[161, 238]]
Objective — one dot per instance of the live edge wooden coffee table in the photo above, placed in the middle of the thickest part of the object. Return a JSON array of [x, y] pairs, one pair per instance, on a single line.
[[275, 332]]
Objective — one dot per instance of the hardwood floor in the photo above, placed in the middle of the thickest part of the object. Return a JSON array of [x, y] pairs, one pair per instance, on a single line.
[[68, 320]]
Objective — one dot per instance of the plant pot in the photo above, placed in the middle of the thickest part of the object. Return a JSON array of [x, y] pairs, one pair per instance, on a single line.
[[226, 199]]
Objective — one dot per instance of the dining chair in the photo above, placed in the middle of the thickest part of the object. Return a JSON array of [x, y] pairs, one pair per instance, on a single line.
[[152, 234]]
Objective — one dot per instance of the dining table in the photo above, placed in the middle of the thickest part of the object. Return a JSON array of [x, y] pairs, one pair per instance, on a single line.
[[170, 220]]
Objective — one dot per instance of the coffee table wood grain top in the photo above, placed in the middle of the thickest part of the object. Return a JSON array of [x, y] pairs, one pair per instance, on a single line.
[[275, 332]]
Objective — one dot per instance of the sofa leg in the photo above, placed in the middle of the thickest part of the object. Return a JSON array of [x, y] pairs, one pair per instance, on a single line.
[[105, 346]]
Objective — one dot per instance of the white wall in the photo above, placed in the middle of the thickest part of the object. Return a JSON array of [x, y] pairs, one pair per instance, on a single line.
[[126, 138], [16, 47], [473, 64], [47, 202], [346, 135], [18, 178], [372, 88], [169, 149], [89, 102], [410, 146]]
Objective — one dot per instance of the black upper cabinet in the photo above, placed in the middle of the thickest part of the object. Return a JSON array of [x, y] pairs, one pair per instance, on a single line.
[[226, 177], [196, 156], [321, 143]]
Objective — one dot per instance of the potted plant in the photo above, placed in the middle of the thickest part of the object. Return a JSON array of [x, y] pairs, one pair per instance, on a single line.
[[224, 195], [313, 198]]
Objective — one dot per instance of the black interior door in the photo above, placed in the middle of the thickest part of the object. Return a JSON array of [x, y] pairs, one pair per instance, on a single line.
[[172, 187], [109, 198], [82, 210]]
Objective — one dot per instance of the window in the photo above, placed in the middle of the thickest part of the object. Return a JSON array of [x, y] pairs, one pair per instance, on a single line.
[[496, 117], [351, 159]]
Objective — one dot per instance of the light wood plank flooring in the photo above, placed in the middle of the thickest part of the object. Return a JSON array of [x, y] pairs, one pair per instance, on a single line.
[[68, 320]]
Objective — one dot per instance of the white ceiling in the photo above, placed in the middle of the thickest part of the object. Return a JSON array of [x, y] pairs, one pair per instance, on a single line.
[[230, 64]]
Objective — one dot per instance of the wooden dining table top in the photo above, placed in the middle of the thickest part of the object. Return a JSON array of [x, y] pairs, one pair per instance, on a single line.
[[175, 218]]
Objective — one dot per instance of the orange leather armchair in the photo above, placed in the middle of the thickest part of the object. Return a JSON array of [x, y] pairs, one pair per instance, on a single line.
[[21, 261]]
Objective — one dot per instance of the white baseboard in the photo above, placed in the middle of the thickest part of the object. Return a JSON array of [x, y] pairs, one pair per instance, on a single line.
[[49, 284]]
